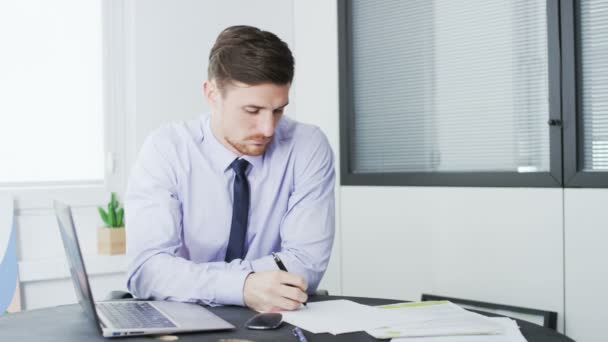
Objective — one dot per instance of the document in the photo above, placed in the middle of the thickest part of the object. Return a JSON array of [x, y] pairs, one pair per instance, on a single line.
[[397, 320], [335, 317], [511, 333], [432, 318]]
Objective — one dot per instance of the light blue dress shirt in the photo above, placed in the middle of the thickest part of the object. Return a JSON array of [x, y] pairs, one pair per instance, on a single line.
[[179, 208]]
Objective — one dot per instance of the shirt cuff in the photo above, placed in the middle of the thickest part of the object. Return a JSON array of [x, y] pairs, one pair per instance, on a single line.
[[230, 289], [264, 264]]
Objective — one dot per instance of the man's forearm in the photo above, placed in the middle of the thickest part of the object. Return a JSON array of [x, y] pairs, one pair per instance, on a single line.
[[166, 277]]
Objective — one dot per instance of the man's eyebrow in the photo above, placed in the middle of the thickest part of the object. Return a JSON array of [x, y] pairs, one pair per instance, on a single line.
[[260, 107]]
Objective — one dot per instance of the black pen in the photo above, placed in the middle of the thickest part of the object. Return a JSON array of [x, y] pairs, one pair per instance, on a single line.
[[282, 267]]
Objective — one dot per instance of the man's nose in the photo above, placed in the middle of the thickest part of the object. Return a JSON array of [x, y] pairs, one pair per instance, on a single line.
[[267, 124]]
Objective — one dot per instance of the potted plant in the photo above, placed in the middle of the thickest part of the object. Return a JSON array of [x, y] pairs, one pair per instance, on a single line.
[[111, 237]]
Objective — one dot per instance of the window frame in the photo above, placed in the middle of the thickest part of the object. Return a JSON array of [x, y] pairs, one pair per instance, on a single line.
[[117, 37], [574, 176], [552, 178]]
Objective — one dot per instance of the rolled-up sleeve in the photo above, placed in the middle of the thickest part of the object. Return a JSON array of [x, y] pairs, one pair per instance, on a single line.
[[153, 216]]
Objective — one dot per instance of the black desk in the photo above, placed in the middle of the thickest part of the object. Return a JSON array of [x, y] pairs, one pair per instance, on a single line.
[[68, 323]]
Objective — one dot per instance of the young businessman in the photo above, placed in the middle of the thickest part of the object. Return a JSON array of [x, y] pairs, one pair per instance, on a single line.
[[209, 200]]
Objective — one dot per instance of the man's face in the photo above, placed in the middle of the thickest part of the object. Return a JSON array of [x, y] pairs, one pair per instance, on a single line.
[[244, 116]]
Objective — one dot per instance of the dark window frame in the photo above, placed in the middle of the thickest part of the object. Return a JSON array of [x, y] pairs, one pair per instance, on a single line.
[[553, 178], [574, 176]]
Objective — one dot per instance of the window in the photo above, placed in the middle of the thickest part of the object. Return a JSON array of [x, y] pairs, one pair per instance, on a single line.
[[64, 86], [52, 92], [586, 91], [444, 92]]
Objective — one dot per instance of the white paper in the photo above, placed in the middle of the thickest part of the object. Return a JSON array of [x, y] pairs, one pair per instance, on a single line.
[[335, 317], [432, 318], [403, 319], [510, 333]]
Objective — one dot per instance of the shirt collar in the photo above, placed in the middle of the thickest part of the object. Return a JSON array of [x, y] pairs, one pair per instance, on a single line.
[[220, 156]]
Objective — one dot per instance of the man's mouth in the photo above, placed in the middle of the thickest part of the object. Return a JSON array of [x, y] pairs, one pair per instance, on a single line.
[[260, 141]]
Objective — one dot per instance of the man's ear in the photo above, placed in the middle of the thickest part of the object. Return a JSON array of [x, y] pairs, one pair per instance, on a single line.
[[210, 92]]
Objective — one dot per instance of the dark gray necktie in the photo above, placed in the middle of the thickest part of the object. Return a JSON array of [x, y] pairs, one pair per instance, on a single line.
[[240, 211]]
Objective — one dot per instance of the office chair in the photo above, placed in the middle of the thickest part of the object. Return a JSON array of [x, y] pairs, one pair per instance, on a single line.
[[547, 319]]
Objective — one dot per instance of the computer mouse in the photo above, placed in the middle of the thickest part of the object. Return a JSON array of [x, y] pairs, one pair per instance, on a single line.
[[265, 321]]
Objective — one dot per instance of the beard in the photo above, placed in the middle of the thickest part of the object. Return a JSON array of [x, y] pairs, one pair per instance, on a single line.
[[248, 146]]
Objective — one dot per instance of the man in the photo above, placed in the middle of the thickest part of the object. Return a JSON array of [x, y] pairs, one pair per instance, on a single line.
[[209, 200]]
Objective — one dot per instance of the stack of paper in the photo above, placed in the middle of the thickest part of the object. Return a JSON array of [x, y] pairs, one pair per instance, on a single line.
[[510, 333], [433, 318], [397, 320]]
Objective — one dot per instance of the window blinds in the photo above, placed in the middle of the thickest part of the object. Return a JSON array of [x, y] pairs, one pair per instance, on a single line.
[[449, 86], [594, 87]]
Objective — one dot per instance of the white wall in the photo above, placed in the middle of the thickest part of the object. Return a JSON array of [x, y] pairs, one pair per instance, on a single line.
[[173, 40], [488, 244], [586, 265]]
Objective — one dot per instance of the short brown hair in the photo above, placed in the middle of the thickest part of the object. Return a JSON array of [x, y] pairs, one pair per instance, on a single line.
[[249, 55]]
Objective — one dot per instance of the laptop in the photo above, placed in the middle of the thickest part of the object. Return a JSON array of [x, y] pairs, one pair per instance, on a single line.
[[126, 318]]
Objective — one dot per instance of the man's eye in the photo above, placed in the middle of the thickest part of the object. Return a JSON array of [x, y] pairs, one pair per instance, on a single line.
[[278, 111], [251, 111]]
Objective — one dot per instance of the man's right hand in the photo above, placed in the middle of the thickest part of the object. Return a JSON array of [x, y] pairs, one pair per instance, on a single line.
[[274, 291]]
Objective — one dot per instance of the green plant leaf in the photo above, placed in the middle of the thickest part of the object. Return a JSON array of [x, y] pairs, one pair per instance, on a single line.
[[112, 215], [113, 200], [104, 216], [119, 216]]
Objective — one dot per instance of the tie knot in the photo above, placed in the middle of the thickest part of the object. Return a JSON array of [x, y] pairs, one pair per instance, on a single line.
[[239, 166]]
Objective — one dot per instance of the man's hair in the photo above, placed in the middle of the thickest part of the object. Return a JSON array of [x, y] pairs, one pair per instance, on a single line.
[[249, 55]]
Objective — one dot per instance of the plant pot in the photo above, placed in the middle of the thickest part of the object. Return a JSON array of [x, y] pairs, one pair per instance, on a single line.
[[111, 241]]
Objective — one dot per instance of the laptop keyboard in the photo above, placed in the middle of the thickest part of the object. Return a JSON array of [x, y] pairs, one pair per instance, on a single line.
[[133, 315]]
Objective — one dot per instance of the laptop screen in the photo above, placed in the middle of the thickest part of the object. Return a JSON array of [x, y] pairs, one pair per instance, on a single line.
[[75, 262]]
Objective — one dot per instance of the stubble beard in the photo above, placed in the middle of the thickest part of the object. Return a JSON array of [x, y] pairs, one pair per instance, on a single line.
[[248, 149]]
